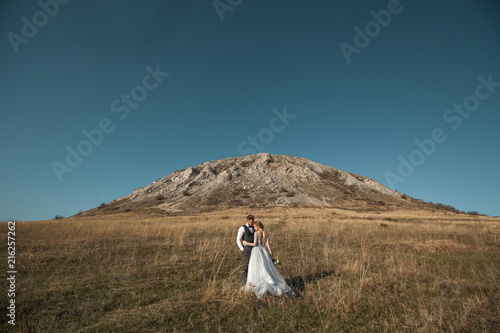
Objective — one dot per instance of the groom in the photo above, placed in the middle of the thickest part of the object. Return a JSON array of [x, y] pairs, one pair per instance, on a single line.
[[245, 233]]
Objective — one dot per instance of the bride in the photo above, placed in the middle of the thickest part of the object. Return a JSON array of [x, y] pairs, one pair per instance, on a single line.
[[262, 273]]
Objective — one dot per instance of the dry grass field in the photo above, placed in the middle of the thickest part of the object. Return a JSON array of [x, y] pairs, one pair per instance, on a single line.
[[395, 271]]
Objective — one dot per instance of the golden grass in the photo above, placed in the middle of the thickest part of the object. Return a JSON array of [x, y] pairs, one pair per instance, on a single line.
[[389, 271]]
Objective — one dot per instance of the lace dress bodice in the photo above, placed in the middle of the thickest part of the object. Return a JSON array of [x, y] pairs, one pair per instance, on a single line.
[[259, 243]]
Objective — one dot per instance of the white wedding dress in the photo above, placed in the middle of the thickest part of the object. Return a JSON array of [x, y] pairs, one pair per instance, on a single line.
[[262, 274]]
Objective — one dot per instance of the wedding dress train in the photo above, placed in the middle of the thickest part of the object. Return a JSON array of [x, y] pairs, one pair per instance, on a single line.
[[262, 273]]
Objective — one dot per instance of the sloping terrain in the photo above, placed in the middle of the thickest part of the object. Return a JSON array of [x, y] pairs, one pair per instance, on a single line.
[[261, 180]]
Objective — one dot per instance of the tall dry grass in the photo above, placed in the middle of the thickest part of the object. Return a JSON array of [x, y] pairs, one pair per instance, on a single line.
[[385, 272]]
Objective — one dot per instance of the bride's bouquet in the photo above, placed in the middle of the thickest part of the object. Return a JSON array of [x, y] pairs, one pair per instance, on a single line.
[[276, 262]]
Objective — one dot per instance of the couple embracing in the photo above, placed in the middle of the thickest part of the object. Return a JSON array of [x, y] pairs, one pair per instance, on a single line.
[[258, 272]]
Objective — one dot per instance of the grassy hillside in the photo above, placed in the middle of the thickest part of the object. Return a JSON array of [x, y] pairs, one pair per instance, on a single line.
[[353, 271]]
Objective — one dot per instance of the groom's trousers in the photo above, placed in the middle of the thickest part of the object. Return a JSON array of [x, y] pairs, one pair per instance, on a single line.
[[245, 258]]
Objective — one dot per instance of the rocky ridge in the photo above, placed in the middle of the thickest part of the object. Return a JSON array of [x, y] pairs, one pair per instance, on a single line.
[[259, 180]]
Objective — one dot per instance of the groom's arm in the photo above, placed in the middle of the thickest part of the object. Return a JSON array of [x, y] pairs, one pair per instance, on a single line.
[[239, 236]]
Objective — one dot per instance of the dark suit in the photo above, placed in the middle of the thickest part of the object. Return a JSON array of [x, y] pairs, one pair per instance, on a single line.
[[245, 254]]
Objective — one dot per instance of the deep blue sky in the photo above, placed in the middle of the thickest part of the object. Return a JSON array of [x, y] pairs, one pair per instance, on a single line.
[[226, 77]]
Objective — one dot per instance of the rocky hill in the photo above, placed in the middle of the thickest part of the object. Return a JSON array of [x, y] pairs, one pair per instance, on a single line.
[[257, 181]]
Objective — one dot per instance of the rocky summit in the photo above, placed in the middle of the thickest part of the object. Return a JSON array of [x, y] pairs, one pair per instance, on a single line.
[[254, 181]]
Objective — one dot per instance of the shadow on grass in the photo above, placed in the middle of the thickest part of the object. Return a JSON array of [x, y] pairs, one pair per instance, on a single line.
[[298, 282]]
